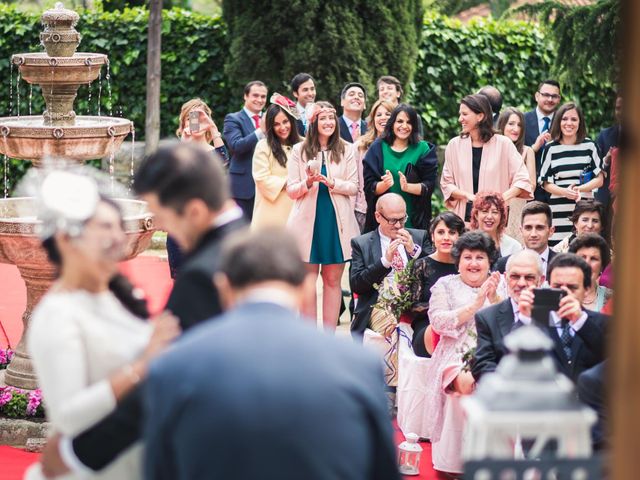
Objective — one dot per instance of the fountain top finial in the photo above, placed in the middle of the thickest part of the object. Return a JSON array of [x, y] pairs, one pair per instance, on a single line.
[[60, 16]]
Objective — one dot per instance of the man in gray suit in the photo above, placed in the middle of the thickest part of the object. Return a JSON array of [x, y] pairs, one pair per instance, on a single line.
[[260, 393]]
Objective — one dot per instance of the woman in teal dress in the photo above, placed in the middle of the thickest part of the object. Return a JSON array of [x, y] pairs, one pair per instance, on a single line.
[[402, 163], [322, 179]]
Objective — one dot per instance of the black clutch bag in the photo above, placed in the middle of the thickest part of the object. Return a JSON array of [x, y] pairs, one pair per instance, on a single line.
[[411, 172]]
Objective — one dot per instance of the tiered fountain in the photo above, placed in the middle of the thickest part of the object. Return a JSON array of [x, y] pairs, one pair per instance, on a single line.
[[57, 133]]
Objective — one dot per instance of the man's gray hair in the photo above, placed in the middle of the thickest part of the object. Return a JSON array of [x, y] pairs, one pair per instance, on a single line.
[[526, 254]]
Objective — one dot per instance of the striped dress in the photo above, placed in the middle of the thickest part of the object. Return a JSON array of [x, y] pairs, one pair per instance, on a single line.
[[562, 165]]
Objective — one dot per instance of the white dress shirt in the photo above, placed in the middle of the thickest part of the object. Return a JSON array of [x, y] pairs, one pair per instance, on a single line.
[[540, 116]]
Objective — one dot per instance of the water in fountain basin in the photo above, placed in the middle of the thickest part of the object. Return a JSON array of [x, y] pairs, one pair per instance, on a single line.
[[18, 94], [6, 179], [108, 77], [99, 92], [133, 150], [11, 90]]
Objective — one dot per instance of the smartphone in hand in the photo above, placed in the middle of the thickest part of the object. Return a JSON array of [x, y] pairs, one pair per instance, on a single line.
[[194, 121], [545, 301]]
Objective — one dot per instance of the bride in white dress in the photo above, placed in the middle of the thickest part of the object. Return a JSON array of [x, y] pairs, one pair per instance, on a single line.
[[89, 338]]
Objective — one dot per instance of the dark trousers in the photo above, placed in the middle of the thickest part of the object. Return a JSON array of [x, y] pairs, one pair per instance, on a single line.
[[246, 204], [591, 391]]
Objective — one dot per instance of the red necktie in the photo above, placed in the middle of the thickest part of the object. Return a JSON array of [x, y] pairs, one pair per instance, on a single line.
[[256, 120]]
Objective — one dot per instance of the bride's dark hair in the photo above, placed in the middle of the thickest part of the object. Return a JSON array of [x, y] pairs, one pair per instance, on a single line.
[[119, 285]]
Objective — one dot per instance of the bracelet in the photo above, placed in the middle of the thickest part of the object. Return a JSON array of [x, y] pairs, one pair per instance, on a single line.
[[131, 374]]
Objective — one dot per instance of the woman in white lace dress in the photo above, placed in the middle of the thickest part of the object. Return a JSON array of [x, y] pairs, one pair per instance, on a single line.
[[454, 301], [89, 338]]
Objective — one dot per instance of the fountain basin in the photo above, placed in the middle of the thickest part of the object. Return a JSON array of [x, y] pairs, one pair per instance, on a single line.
[[41, 69], [29, 138], [20, 244]]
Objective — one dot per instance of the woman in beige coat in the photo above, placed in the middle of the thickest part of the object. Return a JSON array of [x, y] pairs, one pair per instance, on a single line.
[[480, 160], [323, 175], [269, 167]]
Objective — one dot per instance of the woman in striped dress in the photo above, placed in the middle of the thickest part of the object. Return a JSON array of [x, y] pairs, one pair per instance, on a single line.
[[570, 167]]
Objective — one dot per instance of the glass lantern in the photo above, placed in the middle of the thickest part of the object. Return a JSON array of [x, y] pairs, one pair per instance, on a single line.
[[409, 453]]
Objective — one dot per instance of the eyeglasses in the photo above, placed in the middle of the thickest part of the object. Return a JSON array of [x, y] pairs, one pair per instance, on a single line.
[[515, 277], [550, 96], [395, 221]]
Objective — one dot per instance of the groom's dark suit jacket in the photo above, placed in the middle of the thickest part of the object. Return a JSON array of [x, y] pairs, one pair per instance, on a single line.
[[367, 269], [495, 322], [193, 299]]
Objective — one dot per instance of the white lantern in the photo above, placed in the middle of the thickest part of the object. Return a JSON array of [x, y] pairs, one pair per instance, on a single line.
[[409, 453]]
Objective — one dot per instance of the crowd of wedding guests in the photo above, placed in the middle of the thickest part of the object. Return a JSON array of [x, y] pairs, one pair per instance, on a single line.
[[529, 203]]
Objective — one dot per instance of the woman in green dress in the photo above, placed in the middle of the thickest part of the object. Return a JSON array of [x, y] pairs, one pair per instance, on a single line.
[[322, 179], [402, 163]]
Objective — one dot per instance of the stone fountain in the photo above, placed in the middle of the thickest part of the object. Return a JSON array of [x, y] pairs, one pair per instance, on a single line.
[[59, 132]]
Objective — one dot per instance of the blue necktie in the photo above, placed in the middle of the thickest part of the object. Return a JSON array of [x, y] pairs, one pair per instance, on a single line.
[[566, 340], [547, 122]]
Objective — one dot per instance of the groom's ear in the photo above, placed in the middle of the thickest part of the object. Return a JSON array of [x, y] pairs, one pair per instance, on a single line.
[[225, 290]]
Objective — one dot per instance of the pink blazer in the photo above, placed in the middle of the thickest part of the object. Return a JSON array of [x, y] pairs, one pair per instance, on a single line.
[[501, 168], [303, 213]]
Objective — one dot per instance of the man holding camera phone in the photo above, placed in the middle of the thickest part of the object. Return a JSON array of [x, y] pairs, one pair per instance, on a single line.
[[577, 334]]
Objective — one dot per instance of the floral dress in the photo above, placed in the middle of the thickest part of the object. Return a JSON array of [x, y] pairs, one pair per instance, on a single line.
[[446, 418]]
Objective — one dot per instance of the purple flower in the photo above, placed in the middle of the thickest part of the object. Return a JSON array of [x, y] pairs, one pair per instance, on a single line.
[[3, 357]]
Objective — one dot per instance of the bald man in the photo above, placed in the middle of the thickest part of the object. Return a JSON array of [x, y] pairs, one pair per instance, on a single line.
[[377, 254]]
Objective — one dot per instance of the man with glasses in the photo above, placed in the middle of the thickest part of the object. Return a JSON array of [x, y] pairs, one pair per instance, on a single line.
[[577, 334], [538, 123], [379, 254]]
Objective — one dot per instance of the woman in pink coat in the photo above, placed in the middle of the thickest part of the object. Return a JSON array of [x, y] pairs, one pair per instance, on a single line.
[[481, 160], [322, 178]]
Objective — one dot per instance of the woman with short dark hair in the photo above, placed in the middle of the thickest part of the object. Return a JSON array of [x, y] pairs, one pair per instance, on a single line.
[[480, 160], [570, 167], [402, 163], [454, 301], [445, 230], [595, 251], [587, 217]]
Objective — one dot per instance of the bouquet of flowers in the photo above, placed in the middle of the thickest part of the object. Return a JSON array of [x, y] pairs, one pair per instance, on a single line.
[[398, 297]]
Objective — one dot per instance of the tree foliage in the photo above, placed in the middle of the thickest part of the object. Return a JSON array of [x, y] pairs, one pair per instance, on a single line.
[[586, 37], [334, 40]]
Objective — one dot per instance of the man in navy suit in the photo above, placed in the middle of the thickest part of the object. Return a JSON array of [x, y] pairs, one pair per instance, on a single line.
[[303, 89], [353, 101], [536, 228], [607, 139], [261, 393], [242, 132], [578, 335], [538, 123]]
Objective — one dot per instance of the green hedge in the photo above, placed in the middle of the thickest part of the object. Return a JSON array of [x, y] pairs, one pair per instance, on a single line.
[[453, 60], [456, 59]]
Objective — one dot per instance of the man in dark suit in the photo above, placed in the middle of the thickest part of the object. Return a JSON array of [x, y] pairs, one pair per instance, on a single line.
[[281, 404], [577, 334], [536, 228], [242, 132], [353, 100], [376, 254], [303, 89], [495, 100], [538, 123], [608, 139], [189, 197]]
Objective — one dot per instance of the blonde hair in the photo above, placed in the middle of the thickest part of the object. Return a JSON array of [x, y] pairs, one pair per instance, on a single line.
[[193, 104], [368, 138]]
